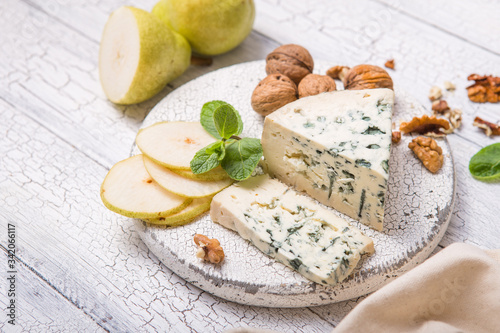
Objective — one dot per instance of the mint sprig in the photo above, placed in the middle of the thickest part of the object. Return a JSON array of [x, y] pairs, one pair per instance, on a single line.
[[237, 156], [208, 122]]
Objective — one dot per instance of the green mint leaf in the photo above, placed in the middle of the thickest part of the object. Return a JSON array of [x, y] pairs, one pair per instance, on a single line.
[[485, 165], [208, 158], [226, 121], [242, 157], [207, 117]]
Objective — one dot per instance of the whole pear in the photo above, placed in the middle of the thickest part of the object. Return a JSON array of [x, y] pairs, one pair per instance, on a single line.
[[139, 55], [211, 26]]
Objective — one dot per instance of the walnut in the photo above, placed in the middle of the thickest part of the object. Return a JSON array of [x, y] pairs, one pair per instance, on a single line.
[[430, 126], [428, 151], [273, 92], [485, 89], [435, 93], [209, 249], [489, 128], [455, 118], [389, 64], [314, 84], [449, 86], [367, 77], [396, 136], [338, 72], [440, 106], [291, 60]]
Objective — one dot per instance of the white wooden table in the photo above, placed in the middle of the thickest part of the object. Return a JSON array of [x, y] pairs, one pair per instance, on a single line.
[[78, 267]]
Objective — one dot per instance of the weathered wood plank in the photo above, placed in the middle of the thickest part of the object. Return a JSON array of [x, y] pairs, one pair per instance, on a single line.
[[96, 259], [477, 22], [41, 308]]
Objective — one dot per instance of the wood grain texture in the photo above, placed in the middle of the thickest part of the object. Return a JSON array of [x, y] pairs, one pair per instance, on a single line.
[[59, 136]]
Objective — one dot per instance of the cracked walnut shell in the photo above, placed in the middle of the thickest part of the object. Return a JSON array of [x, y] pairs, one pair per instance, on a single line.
[[209, 249], [314, 84], [426, 125], [291, 60], [367, 77], [273, 92], [428, 151]]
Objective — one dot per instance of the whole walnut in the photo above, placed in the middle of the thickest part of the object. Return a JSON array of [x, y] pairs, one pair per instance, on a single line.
[[314, 84], [291, 60], [367, 77], [273, 92]]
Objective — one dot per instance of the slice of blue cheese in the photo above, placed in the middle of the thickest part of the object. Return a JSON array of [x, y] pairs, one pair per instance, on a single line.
[[335, 146], [291, 228]]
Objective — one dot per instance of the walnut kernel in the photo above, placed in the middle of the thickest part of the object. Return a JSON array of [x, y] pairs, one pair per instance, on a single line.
[[428, 151], [425, 125], [291, 60], [396, 136], [367, 77], [314, 84], [435, 93], [489, 128], [449, 86], [273, 92], [440, 106], [338, 72], [485, 89], [389, 64], [209, 249]]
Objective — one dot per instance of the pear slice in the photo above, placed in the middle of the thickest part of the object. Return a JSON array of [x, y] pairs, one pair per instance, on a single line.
[[173, 144], [196, 208], [139, 55], [214, 174], [130, 191], [181, 186]]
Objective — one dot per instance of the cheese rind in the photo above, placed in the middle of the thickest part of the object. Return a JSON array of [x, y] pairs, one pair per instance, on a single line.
[[335, 146], [291, 228]]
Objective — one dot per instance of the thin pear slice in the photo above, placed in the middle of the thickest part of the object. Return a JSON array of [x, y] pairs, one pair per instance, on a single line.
[[214, 174], [181, 186], [173, 144], [196, 208], [129, 190]]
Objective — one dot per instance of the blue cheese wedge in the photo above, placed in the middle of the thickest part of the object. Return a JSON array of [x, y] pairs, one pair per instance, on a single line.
[[335, 146], [291, 228]]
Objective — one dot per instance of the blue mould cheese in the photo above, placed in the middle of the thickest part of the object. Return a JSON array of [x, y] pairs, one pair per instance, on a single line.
[[291, 228], [335, 146]]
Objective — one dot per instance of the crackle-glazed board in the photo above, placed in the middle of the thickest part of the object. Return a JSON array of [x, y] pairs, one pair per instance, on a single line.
[[418, 210]]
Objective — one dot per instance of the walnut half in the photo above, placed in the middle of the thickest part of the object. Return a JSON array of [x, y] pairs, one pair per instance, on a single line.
[[209, 249], [428, 151], [430, 126]]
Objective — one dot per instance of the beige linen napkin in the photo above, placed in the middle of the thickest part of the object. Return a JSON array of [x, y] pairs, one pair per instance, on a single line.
[[457, 290]]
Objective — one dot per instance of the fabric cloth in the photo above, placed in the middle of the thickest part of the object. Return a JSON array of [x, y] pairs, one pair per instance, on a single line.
[[457, 290]]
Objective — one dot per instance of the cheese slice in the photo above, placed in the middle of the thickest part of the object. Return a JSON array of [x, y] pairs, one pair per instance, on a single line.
[[335, 146], [291, 228]]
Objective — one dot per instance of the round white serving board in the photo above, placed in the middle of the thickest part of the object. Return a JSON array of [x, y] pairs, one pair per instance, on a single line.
[[418, 210]]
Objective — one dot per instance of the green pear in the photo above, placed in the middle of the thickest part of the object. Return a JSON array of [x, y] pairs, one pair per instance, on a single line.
[[211, 26], [139, 55]]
